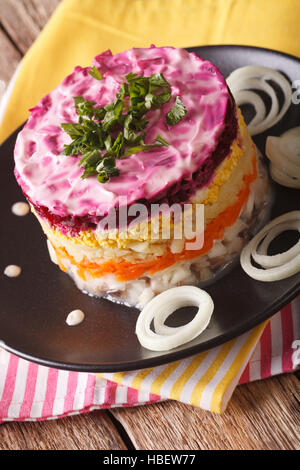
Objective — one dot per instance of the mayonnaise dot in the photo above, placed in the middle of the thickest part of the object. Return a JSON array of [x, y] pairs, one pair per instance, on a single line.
[[12, 270], [75, 317], [20, 208]]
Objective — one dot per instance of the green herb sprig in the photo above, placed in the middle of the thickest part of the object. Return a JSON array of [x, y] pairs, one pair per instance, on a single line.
[[117, 130]]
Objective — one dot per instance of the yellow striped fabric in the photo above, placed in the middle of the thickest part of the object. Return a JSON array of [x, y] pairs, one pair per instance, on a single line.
[[77, 32], [206, 380]]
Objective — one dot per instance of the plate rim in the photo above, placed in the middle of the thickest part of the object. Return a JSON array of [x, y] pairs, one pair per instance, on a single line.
[[242, 46], [171, 356]]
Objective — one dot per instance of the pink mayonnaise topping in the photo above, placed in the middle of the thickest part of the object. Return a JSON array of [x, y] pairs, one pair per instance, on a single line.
[[53, 180]]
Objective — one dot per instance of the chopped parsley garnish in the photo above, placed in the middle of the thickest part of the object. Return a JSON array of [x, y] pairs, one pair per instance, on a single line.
[[94, 72], [103, 135], [176, 113]]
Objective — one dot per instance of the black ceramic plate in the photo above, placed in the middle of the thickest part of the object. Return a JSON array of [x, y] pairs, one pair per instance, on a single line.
[[34, 306]]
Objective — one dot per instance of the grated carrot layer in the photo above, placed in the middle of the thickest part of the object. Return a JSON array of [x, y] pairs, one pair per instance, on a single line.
[[126, 271]]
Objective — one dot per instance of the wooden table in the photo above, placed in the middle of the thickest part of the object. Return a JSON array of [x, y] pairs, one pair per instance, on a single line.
[[261, 415]]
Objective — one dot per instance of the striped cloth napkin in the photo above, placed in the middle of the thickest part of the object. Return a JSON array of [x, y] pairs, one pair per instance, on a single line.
[[207, 380], [32, 392]]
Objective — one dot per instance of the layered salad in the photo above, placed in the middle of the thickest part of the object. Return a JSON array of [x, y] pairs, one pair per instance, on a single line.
[[142, 173]]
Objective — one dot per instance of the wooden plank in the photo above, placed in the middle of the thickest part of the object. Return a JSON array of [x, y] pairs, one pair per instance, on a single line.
[[9, 58], [262, 415], [40, 11], [18, 24], [24, 19], [92, 431]]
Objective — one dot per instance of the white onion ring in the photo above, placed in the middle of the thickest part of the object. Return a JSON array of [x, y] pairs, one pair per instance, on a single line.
[[284, 155], [290, 144], [246, 97], [283, 178], [288, 266], [162, 306], [255, 83], [252, 76], [266, 261], [279, 159]]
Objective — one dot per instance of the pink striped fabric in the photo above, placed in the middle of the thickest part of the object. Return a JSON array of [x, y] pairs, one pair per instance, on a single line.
[[32, 392], [276, 351]]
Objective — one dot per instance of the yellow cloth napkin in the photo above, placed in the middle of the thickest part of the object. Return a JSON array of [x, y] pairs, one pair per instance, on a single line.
[[79, 30], [206, 380]]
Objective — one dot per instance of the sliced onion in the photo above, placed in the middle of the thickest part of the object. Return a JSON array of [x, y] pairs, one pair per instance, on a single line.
[[283, 178], [258, 84], [255, 77], [290, 144], [279, 158], [266, 261], [162, 306], [284, 155], [246, 97], [279, 266]]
